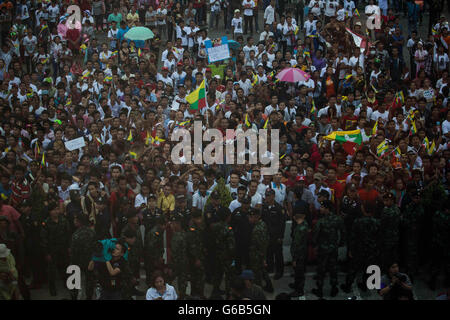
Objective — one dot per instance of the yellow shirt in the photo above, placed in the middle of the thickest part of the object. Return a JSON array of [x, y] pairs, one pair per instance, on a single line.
[[166, 203]]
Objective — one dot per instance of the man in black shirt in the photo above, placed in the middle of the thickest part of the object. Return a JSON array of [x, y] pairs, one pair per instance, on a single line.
[[114, 275]]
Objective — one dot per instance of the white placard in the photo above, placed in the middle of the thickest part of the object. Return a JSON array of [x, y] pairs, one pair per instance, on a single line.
[[75, 144], [218, 53]]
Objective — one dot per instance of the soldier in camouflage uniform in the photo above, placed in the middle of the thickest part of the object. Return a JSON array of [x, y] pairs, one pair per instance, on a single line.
[[225, 251], [389, 231], [180, 258], [259, 242], [154, 247], [132, 234], [363, 249], [196, 252], [82, 248], [441, 245], [211, 217], [299, 252], [328, 234], [55, 239], [411, 221]]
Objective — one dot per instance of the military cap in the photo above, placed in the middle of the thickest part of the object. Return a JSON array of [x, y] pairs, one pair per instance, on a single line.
[[180, 197], [196, 213], [246, 200], [254, 212], [215, 195], [327, 204], [388, 195], [175, 217]]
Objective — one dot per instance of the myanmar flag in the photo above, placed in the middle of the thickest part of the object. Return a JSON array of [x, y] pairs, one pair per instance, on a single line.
[[351, 140], [197, 98], [346, 136]]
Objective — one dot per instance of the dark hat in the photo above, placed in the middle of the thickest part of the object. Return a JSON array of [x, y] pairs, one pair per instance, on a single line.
[[270, 192], [415, 193], [215, 195], [388, 195], [247, 275], [352, 186], [152, 195], [175, 217], [246, 200], [83, 219], [180, 197], [327, 204], [254, 212]]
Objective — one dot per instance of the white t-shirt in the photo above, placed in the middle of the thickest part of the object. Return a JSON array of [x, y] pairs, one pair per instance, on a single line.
[[236, 23], [256, 199], [30, 45], [377, 114], [269, 15], [248, 12], [160, 11], [309, 27]]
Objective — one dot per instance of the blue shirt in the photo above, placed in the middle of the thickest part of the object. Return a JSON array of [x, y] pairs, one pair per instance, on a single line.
[[121, 33]]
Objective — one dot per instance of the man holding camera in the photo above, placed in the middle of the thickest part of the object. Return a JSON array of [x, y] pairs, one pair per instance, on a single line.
[[396, 285]]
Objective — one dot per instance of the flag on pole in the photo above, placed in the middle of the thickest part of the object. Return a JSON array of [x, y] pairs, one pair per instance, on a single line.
[[397, 152], [357, 13], [247, 123], [431, 149], [313, 107], [265, 123], [346, 136], [197, 98], [43, 164], [375, 128], [413, 129], [130, 136], [382, 148], [133, 155]]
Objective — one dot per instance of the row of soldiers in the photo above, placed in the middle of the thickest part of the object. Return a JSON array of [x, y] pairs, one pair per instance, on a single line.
[[372, 239]]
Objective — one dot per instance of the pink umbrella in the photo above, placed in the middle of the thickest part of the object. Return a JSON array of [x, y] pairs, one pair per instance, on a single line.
[[293, 75]]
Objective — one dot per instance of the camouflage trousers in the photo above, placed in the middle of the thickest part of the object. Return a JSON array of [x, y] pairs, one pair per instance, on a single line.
[[89, 283], [224, 268], [197, 279], [257, 266], [389, 254], [181, 275], [327, 262], [299, 271]]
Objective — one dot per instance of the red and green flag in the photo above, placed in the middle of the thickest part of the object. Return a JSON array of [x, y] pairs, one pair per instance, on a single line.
[[351, 140], [197, 98]]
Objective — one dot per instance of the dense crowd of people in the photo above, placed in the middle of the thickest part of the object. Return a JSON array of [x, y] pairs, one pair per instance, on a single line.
[[119, 204]]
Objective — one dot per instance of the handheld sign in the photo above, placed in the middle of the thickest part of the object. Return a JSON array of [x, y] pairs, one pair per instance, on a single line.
[[217, 52], [75, 144]]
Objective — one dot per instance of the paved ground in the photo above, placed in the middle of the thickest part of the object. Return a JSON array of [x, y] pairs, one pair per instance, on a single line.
[[421, 291]]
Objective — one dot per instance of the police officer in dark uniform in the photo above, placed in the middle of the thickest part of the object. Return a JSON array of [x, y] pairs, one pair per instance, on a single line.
[[274, 217], [150, 214], [212, 209], [242, 232], [182, 209]]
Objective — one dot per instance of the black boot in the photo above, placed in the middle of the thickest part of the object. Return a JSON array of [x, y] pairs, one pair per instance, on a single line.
[[334, 291], [346, 288], [318, 292]]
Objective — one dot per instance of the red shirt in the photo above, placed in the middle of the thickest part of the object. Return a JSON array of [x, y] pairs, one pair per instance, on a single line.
[[12, 215], [337, 188], [368, 196]]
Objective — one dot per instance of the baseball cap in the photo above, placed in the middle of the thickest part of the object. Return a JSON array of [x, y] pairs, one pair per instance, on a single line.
[[164, 68], [300, 178], [352, 187], [180, 197], [358, 24], [236, 11], [180, 63], [152, 195], [388, 195], [208, 69]]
